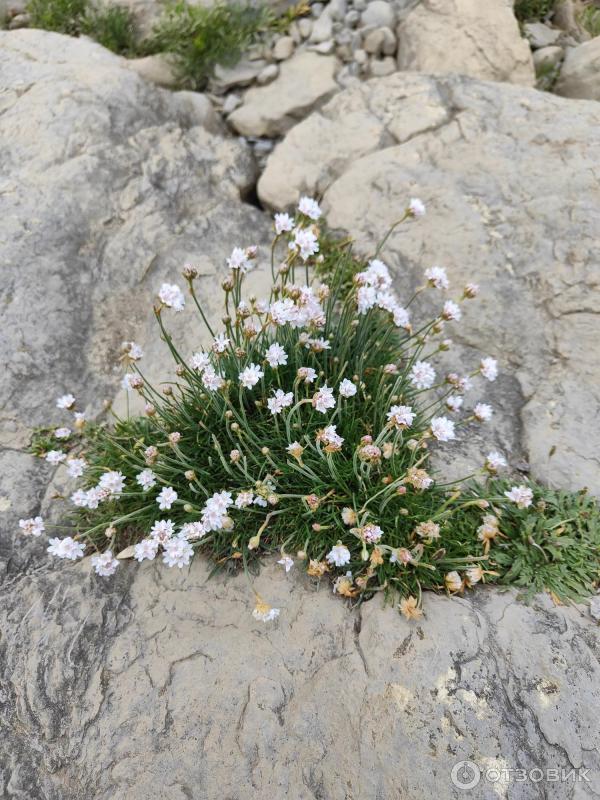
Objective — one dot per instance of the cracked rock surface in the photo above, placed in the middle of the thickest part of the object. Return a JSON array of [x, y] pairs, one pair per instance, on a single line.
[[159, 683], [162, 685], [510, 178]]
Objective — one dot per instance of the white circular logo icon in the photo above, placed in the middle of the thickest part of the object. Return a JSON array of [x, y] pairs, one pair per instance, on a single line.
[[465, 775]]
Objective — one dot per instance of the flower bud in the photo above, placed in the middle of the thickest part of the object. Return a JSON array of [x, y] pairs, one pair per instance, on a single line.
[[189, 273], [190, 475], [188, 508]]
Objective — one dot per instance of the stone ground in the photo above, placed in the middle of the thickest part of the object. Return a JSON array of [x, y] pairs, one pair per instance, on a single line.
[[161, 684]]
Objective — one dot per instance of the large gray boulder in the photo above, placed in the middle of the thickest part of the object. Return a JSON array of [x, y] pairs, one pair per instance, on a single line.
[[471, 37], [109, 186], [580, 73], [509, 175], [160, 684]]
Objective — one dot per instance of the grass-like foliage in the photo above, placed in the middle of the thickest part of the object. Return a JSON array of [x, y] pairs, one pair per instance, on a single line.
[[111, 26], [306, 430], [200, 37], [533, 10]]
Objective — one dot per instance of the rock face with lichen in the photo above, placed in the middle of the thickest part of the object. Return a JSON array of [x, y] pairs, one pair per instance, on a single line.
[[159, 683], [508, 174]]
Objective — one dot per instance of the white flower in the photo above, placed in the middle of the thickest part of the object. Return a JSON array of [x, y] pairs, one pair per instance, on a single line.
[[279, 401], [177, 553], [133, 351], [417, 207], [126, 381], [146, 550], [307, 374], [276, 355], [454, 402], [521, 495], [62, 433], [250, 376], [422, 375], [489, 368], [79, 498], [436, 277], [401, 416], [162, 530], [55, 456], [443, 429], [330, 437], [221, 343], [401, 317], [95, 496], [212, 380], [347, 388], [66, 548], [113, 482], [283, 223], [192, 531], [104, 564], [244, 499], [65, 401], [339, 555], [166, 498], [214, 513], [324, 399], [483, 412], [200, 361], [32, 527], [76, 466], [451, 311], [146, 479], [305, 241], [264, 612], [366, 298], [309, 208], [371, 533], [239, 260], [495, 461], [286, 562], [171, 295]]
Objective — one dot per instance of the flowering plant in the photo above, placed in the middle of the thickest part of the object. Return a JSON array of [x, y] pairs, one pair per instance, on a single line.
[[306, 428]]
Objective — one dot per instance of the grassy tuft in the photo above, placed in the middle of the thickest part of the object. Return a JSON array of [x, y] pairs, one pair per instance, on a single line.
[[111, 26], [245, 481], [201, 37], [532, 10], [589, 19]]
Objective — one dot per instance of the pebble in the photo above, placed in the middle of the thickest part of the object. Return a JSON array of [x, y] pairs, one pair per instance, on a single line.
[[379, 13], [337, 9], [352, 18], [324, 48], [361, 57], [232, 101], [268, 74], [548, 56], [373, 42], [322, 29], [284, 47], [305, 27], [316, 10], [379, 69]]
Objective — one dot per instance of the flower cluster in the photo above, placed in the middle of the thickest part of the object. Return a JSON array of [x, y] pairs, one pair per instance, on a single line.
[[304, 426]]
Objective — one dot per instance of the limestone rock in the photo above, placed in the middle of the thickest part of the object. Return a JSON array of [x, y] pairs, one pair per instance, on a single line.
[[161, 678], [505, 211], [580, 73], [304, 80], [158, 69], [124, 187], [548, 57], [540, 35], [465, 36], [284, 47], [243, 73], [379, 14]]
